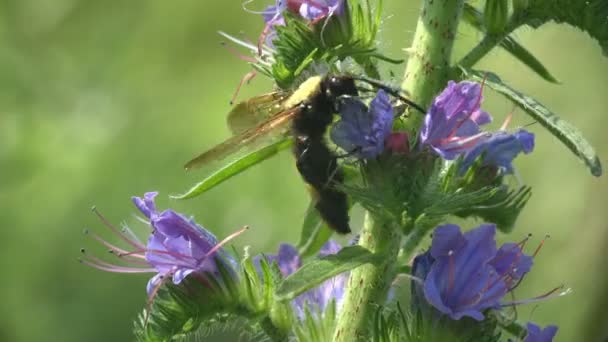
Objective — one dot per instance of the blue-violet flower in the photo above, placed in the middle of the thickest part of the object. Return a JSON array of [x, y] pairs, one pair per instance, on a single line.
[[361, 131], [289, 260], [176, 248], [452, 129], [464, 274], [536, 334]]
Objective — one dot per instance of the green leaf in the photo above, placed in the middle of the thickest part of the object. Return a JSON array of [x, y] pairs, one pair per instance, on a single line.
[[236, 167], [587, 15], [474, 18], [315, 233], [316, 271], [563, 130]]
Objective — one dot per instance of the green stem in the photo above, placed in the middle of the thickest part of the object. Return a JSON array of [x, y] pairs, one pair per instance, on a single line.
[[368, 285], [428, 66]]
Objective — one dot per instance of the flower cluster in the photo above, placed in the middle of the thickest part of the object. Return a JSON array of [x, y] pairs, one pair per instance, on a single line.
[[288, 259], [176, 248], [451, 128]]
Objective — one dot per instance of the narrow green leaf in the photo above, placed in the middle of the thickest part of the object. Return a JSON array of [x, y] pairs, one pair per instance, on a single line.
[[523, 55], [475, 18], [315, 233], [563, 130], [316, 271], [235, 167]]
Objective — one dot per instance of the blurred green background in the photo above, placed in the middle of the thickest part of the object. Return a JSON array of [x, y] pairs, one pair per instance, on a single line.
[[102, 100]]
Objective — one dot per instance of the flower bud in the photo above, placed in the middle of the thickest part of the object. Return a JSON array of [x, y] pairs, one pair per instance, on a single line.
[[496, 14]]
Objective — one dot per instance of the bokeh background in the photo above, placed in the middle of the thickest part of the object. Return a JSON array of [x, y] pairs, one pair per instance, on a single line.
[[102, 100]]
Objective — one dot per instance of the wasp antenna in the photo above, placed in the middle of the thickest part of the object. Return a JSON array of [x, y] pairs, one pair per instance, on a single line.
[[393, 91]]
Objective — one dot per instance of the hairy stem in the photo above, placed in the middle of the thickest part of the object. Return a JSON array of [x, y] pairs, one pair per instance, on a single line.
[[368, 285], [428, 66]]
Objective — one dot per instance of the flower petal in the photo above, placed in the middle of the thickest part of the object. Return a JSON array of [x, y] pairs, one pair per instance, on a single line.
[[535, 334]]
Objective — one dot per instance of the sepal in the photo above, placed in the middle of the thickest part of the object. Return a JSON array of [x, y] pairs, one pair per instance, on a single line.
[[396, 324]]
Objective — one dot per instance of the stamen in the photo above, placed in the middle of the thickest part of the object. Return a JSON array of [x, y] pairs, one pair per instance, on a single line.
[[104, 266], [540, 245], [507, 121], [548, 295], [178, 256], [116, 231], [226, 240], [128, 232], [237, 54], [523, 242], [248, 45], [265, 32], [248, 77], [112, 247], [247, 2]]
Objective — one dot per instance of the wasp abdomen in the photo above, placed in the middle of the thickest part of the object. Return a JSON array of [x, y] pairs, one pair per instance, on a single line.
[[319, 168]]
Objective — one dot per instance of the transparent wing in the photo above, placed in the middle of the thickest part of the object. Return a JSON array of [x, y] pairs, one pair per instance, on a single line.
[[255, 110], [277, 125]]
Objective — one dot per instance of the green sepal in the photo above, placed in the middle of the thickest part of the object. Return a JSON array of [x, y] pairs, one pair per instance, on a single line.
[[315, 325], [561, 129], [475, 18], [235, 167], [393, 324], [317, 271], [241, 297], [179, 310]]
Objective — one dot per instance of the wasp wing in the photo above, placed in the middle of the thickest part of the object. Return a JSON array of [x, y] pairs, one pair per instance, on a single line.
[[277, 125], [252, 112]]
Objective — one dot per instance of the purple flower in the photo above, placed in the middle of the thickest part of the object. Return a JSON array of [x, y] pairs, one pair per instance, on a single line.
[[362, 131], [464, 274], [288, 259], [535, 334], [452, 129], [309, 10], [176, 248], [451, 125], [315, 10], [499, 150]]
